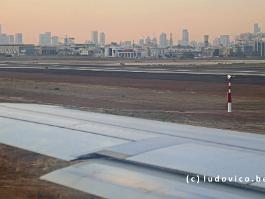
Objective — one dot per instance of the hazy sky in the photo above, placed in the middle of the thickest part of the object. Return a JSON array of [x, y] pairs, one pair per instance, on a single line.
[[130, 19]]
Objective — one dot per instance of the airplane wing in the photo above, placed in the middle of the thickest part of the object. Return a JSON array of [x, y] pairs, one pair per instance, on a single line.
[[123, 157]]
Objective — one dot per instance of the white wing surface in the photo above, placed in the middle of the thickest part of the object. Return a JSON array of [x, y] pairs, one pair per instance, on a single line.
[[125, 157]]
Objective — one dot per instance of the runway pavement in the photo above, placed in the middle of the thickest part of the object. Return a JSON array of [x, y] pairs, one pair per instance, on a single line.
[[143, 68], [245, 73]]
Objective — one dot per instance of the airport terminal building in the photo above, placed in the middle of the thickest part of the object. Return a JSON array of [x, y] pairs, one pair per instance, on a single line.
[[17, 50]]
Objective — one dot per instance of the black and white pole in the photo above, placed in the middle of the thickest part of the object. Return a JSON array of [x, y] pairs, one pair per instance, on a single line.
[[229, 94]]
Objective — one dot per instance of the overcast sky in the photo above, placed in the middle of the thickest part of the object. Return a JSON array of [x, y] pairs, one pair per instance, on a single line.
[[130, 19]]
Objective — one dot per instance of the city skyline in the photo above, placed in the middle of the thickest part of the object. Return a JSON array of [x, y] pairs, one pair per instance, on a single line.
[[130, 20], [96, 37]]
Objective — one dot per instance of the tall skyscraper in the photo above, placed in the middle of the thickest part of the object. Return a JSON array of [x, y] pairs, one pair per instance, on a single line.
[[102, 39], [224, 40], [216, 42], [148, 41], [49, 38], [42, 39], [55, 41], [194, 44], [66, 40], [94, 37], [69, 40], [171, 40], [154, 41], [141, 42], [206, 40], [45, 39], [163, 40], [185, 37], [11, 39], [257, 28], [19, 38], [4, 39]]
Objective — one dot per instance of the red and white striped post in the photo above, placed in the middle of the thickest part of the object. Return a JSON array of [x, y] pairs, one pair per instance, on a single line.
[[229, 94]]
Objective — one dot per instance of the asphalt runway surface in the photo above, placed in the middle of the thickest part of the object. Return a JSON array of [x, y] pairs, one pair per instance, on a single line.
[[245, 73]]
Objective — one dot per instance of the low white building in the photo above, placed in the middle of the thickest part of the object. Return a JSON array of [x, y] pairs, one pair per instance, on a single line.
[[120, 52], [17, 50]]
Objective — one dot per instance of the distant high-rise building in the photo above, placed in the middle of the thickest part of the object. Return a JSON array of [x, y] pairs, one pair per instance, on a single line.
[[42, 39], [154, 41], [55, 41], [126, 43], [257, 28], [216, 42], [141, 42], [1, 35], [260, 48], [171, 40], [19, 38], [148, 41], [11, 39], [66, 41], [206, 40], [163, 40], [194, 44], [185, 37], [94, 37], [4, 39], [224, 40], [45, 39], [102, 39], [69, 40]]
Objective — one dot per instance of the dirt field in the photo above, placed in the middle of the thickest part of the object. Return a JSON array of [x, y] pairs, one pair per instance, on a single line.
[[183, 99]]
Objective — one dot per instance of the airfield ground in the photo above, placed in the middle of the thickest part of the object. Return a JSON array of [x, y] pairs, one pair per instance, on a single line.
[[182, 92]]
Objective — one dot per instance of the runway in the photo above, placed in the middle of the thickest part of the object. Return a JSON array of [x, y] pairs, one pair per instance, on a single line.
[[245, 73], [148, 68]]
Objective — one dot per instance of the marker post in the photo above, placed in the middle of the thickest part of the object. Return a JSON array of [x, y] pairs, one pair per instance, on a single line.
[[229, 94]]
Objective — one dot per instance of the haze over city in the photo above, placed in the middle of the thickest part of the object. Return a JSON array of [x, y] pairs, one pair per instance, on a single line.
[[130, 20]]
